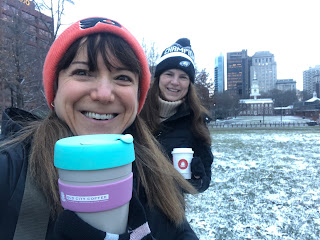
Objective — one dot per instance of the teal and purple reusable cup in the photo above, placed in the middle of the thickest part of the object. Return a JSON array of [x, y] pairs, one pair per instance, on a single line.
[[95, 178]]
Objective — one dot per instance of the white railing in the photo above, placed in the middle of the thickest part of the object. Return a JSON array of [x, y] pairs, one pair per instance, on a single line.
[[253, 125]]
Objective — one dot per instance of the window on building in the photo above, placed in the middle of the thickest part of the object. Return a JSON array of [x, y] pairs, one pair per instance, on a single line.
[[13, 9], [28, 16], [5, 6], [44, 34], [7, 18], [31, 37], [32, 30]]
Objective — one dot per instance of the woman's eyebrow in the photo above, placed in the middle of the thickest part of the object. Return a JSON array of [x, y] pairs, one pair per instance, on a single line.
[[80, 62]]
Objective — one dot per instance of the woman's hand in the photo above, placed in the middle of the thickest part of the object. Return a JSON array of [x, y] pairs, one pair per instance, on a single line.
[[197, 168], [69, 226], [199, 179]]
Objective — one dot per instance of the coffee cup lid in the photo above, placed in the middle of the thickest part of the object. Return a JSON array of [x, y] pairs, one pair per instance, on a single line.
[[92, 152], [182, 150]]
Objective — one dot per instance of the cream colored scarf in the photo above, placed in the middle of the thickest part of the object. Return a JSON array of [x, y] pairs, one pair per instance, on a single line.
[[168, 109]]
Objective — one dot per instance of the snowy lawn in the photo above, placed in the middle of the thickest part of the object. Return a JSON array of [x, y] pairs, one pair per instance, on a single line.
[[265, 185]]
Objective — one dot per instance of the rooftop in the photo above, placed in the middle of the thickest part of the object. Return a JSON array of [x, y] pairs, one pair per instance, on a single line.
[[259, 100]]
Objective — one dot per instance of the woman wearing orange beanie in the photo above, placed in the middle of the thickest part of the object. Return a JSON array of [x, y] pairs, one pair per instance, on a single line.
[[96, 79]]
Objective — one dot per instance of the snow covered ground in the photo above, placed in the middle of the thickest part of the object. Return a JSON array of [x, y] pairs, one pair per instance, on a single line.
[[265, 185]]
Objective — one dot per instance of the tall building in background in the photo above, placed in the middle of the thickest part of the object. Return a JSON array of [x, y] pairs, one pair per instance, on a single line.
[[265, 67], [238, 73], [311, 80], [286, 85], [26, 35], [219, 74]]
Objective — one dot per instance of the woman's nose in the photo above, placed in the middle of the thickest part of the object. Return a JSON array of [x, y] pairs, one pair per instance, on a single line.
[[175, 80], [103, 90]]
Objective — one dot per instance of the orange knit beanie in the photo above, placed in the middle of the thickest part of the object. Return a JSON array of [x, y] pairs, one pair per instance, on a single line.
[[83, 28]]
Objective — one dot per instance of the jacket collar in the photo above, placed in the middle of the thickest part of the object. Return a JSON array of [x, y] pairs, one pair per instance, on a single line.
[[183, 110], [13, 120]]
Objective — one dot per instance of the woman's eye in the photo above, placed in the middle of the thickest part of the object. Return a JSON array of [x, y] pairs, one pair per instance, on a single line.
[[124, 78], [80, 72]]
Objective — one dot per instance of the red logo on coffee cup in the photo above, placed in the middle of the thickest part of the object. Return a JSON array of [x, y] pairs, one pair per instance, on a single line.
[[183, 164]]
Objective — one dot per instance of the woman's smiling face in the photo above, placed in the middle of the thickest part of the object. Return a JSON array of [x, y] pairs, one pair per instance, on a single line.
[[174, 85], [103, 101]]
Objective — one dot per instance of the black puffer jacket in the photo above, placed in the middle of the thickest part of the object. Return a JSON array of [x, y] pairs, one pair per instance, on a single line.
[[176, 132], [13, 171]]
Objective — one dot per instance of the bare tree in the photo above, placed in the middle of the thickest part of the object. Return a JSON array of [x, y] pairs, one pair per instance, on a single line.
[[13, 61], [281, 98], [226, 104], [23, 50], [55, 9], [152, 54], [205, 87], [305, 95]]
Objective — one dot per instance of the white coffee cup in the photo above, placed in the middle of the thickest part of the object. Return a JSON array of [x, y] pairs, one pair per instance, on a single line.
[[182, 158]]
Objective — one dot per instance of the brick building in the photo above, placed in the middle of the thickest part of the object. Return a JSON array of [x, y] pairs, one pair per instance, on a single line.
[[26, 35], [256, 106]]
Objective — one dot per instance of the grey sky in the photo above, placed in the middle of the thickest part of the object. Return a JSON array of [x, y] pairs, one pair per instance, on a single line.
[[288, 29]]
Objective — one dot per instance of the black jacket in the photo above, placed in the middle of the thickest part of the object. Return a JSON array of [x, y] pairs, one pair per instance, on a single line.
[[13, 169], [176, 132]]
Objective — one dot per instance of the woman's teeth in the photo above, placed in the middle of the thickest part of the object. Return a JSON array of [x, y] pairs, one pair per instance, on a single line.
[[173, 90], [99, 116]]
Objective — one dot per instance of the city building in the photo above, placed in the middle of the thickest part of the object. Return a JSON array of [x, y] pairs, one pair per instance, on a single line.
[[26, 35], [219, 74], [238, 73], [265, 67], [286, 85], [308, 109], [254, 91], [311, 80], [256, 106]]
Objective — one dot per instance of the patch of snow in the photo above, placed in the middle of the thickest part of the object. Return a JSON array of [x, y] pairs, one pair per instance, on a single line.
[[265, 185]]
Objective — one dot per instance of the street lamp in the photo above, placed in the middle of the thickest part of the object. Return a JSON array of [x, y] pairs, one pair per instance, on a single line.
[[316, 84], [263, 113], [281, 106]]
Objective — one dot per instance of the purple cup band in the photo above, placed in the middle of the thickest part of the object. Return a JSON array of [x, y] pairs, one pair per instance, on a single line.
[[95, 198]]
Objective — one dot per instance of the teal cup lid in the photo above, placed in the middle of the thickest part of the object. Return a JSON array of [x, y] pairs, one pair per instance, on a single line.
[[93, 152]]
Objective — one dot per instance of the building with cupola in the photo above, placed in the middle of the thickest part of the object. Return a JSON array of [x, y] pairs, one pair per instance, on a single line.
[[256, 106], [308, 109]]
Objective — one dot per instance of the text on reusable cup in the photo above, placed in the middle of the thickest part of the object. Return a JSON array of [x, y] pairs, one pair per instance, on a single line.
[[95, 198]]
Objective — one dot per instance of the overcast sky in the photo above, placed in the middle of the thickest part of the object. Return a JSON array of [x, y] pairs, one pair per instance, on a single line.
[[289, 29]]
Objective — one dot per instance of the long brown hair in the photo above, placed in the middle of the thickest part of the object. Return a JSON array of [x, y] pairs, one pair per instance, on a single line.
[[150, 112], [162, 183]]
